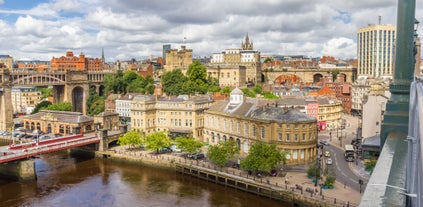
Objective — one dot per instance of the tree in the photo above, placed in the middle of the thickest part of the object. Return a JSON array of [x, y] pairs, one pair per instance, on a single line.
[[173, 82], [63, 106], [157, 140], [115, 83], [197, 77], [262, 157], [97, 107], [131, 138], [188, 144], [46, 92], [221, 153], [41, 105]]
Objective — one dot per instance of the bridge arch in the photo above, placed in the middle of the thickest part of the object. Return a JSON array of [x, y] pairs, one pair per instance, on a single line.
[[317, 77], [290, 79], [78, 99], [101, 90]]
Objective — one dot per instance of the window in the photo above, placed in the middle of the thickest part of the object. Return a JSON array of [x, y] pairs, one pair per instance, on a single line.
[[246, 146], [262, 132], [287, 137], [280, 136], [288, 126], [254, 130], [238, 126], [294, 154], [302, 154], [246, 129], [296, 137], [296, 126], [304, 136]]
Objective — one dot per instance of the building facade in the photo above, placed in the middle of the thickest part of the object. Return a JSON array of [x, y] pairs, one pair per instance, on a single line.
[[59, 122], [24, 99], [178, 59], [241, 120], [7, 61], [32, 65], [375, 50], [244, 56], [180, 116], [228, 75], [73, 63]]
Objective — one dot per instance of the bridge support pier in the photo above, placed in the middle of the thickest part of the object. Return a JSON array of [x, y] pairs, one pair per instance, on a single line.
[[103, 145], [23, 170]]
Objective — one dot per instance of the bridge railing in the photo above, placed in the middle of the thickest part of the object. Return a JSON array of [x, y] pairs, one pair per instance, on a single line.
[[42, 149]]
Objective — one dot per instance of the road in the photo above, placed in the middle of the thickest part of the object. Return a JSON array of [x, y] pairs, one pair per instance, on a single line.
[[342, 168]]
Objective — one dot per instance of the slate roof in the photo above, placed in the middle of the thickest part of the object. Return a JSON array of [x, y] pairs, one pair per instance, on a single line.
[[62, 116], [280, 115]]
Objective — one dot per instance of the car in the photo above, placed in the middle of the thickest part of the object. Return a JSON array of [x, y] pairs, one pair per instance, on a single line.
[[324, 142], [42, 137], [174, 148], [196, 156], [327, 154], [329, 161]]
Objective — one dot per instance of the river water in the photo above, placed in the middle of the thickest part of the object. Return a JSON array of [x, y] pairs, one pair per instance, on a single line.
[[68, 181]]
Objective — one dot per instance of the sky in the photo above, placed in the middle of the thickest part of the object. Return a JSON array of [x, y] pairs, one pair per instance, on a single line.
[[126, 29]]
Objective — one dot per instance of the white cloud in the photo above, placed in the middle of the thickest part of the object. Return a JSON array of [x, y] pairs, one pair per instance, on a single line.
[[131, 29]]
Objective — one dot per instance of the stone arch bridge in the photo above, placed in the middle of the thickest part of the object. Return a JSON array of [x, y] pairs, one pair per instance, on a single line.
[[306, 75], [69, 86]]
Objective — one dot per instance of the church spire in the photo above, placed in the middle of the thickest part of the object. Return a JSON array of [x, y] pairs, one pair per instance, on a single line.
[[102, 55], [247, 45]]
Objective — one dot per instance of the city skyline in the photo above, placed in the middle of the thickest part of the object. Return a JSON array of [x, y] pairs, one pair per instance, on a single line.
[[39, 30]]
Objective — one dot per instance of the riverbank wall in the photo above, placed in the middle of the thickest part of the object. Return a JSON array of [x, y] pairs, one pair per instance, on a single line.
[[233, 178]]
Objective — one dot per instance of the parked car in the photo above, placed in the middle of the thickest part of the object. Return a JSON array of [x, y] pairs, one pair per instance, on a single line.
[[20, 129], [329, 161], [196, 156], [174, 148]]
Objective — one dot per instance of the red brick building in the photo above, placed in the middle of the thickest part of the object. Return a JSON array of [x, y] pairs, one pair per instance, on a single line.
[[74, 63]]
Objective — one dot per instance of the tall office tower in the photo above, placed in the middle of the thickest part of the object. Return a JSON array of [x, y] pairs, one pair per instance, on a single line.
[[375, 50], [165, 49]]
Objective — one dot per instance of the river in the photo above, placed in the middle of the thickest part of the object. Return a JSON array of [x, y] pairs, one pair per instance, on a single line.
[[68, 181]]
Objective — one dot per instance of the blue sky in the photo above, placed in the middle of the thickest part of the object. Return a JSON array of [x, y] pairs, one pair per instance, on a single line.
[[40, 29]]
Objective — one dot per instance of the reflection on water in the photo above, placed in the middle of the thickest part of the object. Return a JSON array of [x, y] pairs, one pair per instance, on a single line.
[[65, 181]]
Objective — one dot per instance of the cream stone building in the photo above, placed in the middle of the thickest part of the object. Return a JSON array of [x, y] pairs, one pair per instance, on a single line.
[[182, 115], [178, 59], [7, 60], [24, 99], [241, 119], [228, 75], [330, 110], [245, 56]]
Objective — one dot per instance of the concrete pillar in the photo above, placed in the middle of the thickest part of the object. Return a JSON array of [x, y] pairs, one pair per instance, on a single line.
[[20, 170]]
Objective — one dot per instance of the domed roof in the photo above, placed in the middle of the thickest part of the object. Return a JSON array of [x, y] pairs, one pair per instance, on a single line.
[[237, 91]]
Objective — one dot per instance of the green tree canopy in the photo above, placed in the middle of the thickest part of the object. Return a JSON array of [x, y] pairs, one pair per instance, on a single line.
[[131, 138], [188, 144], [222, 152], [173, 82], [114, 82], [157, 140], [63, 106], [262, 157], [41, 105], [46, 92]]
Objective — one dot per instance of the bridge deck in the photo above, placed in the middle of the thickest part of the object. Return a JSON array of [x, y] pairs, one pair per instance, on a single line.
[[27, 150]]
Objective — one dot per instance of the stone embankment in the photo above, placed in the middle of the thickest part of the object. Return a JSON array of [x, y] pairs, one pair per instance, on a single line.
[[289, 189]]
